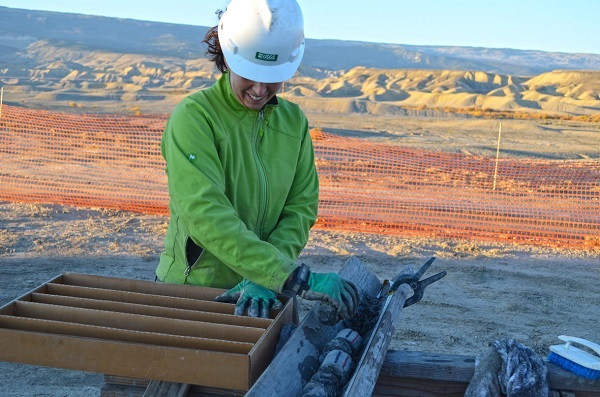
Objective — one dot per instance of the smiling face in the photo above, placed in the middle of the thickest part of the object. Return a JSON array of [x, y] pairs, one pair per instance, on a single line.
[[252, 94]]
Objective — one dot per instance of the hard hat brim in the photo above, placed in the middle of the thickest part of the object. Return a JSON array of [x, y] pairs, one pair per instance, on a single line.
[[262, 73]]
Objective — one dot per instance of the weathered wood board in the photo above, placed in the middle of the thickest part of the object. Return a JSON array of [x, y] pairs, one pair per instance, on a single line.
[[296, 363]]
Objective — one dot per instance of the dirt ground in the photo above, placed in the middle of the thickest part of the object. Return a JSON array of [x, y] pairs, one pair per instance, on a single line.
[[492, 291]]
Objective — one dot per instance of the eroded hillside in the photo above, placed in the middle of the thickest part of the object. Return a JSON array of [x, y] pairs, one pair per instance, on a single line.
[[93, 79], [55, 60], [390, 91]]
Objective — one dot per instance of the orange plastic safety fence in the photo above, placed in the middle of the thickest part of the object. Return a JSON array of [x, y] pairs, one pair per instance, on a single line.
[[113, 161], [106, 161]]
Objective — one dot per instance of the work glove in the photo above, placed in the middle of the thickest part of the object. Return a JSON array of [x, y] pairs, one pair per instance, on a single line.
[[248, 295], [331, 288]]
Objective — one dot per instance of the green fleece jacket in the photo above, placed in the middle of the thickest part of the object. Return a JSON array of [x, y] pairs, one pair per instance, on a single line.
[[243, 190]]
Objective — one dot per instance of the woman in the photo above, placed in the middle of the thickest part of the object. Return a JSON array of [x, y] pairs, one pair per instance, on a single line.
[[242, 178]]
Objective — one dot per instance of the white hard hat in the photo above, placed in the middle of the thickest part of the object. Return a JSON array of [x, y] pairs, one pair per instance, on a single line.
[[262, 40]]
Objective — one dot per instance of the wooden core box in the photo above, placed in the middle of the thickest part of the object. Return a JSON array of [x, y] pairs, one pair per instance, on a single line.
[[139, 329]]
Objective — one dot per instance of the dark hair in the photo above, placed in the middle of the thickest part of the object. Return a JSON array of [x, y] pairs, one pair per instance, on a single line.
[[214, 51]]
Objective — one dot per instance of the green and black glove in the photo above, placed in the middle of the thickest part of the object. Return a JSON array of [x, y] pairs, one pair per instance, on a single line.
[[248, 295], [326, 287]]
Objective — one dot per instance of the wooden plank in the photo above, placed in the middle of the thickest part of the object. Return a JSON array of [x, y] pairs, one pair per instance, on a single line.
[[365, 376], [119, 386], [411, 374], [429, 366], [408, 374], [115, 390], [124, 381], [298, 360], [408, 387], [158, 388]]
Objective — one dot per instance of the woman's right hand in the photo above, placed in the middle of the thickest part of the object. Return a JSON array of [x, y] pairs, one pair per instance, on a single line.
[[257, 299]]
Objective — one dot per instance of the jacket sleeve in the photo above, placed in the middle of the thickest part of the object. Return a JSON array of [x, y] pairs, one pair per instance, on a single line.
[[197, 192], [300, 211]]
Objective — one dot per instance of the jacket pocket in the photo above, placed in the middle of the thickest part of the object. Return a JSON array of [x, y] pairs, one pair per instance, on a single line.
[[193, 254]]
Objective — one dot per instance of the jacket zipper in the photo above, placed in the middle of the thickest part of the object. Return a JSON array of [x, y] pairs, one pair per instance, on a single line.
[[189, 268], [261, 174], [263, 183]]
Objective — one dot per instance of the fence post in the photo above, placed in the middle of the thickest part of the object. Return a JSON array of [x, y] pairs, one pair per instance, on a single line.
[[1, 99], [497, 155]]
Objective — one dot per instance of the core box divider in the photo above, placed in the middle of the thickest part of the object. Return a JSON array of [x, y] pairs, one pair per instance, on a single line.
[[157, 311], [121, 335], [139, 329], [137, 297], [135, 322]]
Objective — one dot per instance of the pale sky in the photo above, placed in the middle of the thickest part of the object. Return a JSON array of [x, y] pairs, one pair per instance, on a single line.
[[548, 25]]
